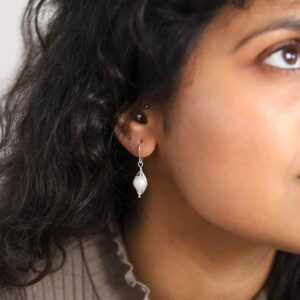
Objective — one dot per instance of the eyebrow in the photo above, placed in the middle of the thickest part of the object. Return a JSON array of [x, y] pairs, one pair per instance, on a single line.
[[283, 23]]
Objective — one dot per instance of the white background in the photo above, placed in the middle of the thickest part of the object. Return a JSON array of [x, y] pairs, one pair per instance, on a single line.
[[10, 39]]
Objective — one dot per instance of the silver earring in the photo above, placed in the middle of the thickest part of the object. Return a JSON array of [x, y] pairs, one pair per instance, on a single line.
[[140, 181]]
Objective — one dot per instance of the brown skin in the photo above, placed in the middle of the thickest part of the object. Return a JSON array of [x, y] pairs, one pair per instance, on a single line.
[[223, 193]]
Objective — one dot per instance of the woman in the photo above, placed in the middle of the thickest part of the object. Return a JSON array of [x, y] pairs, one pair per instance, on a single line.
[[151, 150]]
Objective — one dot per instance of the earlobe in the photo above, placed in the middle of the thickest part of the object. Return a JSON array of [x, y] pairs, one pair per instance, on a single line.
[[131, 128]]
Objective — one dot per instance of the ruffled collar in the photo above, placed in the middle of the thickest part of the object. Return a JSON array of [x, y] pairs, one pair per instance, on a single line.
[[110, 270], [108, 267], [121, 252]]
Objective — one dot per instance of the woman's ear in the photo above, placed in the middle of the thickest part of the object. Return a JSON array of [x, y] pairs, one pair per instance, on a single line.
[[137, 125]]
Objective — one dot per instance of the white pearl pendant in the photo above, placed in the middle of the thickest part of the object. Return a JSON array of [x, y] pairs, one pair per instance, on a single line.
[[140, 182]]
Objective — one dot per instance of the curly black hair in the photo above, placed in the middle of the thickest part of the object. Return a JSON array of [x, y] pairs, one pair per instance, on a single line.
[[63, 173]]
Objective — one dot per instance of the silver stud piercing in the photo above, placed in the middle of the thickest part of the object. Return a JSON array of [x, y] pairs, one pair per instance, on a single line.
[[139, 116], [140, 181]]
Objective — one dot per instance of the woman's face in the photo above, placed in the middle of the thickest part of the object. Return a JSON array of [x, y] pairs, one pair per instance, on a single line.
[[233, 151]]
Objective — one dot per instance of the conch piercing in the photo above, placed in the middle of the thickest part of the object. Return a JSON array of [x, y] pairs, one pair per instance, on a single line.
[[140, 181], [140, 117]]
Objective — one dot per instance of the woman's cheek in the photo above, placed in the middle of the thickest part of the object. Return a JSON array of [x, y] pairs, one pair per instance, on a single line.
[[226, 161]]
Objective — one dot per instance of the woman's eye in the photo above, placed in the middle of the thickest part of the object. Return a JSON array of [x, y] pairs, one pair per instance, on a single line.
[[284, 58]]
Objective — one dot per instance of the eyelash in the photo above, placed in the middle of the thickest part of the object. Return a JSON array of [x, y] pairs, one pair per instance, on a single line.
[[294, 44]]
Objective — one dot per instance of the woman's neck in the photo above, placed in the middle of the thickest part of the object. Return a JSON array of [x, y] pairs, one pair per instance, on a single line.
[[181, 256]]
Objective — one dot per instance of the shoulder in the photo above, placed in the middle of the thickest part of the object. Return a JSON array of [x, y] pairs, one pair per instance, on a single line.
[[96, 267], [71, 281]]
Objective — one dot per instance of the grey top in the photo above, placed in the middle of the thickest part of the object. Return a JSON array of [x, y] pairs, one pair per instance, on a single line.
[[96, 268]]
